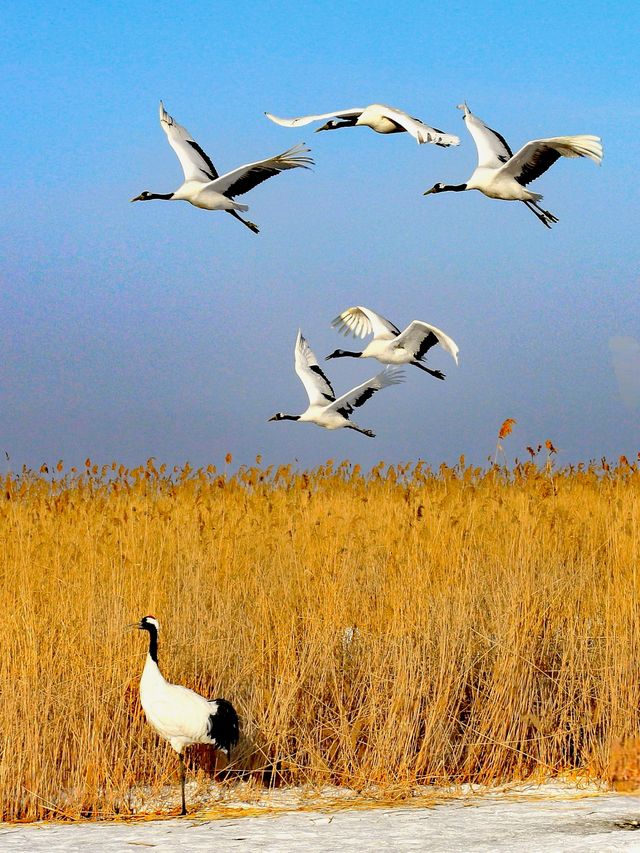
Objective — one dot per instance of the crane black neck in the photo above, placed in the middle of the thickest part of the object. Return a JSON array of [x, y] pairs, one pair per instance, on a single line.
[[453, 188], [153, 642], [344, 353]]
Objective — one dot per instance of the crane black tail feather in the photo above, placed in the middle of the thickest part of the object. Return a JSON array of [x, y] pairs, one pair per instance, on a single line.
[[223, 727]]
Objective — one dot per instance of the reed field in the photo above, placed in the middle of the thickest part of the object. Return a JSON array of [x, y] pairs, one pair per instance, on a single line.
[[378, 629]]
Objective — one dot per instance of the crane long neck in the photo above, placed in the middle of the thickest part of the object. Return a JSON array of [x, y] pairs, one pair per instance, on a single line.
[[153, 643], [347, 122], [163, 196]]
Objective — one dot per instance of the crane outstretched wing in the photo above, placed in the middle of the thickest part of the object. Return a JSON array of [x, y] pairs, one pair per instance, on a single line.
[[419, 337], [302, 120], [355, 398], [245, 178], [196, 165], [317, 386], [418, 129], [360, 322], [534, 158], [493, 148]]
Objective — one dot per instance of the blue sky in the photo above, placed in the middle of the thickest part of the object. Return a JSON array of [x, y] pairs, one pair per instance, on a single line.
[[158, 329]]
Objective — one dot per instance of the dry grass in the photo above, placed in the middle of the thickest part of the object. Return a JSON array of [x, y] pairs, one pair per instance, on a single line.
[[400, 627]]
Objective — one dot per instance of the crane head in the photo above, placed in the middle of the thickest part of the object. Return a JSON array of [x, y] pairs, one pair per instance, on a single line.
[[147, 623]]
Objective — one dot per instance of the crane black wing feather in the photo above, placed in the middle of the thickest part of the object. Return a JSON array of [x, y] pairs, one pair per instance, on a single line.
[[317, 369], [213, 174], [504, 142], [367, 393], [223, 727], [539, 162], [245, 178], [430, 341], [250, 180]]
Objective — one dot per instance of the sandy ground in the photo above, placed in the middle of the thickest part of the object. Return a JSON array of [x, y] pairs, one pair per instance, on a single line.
[[540, 820]]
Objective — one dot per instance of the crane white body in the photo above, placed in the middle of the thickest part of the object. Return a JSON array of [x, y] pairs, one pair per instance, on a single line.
[[205, 197], [386, 352], [178, 714]]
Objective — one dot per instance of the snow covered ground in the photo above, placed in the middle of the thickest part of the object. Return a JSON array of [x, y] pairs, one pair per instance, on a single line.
[[545, 819]]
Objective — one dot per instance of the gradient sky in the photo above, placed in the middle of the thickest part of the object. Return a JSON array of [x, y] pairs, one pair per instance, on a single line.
[[159, 329]]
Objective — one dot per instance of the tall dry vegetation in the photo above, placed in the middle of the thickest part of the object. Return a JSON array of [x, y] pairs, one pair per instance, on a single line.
[[404, 626]]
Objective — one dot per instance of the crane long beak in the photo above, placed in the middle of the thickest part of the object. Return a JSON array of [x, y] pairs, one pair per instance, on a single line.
[[133, 625], [428, 192], [137, 198]]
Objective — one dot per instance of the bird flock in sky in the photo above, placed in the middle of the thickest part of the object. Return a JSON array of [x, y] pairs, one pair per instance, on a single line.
[[500, 174], [178, 714]]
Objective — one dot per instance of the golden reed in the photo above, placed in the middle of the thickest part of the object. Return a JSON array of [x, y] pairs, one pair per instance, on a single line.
[[400, 626]]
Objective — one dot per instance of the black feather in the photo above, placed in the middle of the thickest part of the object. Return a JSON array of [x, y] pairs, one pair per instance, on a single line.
[[251, 179], [540, 161], [504, 142], [260, 173], [430, 341], [316, 369], [362, 398], [223, 727], [212, 174]]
